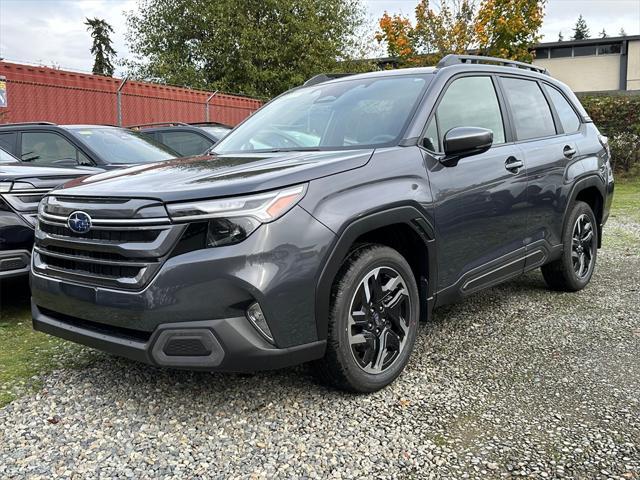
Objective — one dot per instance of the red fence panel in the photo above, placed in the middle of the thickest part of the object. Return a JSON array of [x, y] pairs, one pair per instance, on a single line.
[[47, 94]]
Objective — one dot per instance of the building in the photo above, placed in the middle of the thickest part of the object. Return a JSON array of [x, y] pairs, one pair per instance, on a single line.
[[592, 65], [595, 64]]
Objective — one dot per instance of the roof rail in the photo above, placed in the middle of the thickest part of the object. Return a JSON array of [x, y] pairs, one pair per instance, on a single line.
[[324, 77], [155, 124], [452, 59], [25, 123]]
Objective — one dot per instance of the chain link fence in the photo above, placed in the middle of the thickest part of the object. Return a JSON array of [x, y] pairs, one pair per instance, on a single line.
[[46, 94]]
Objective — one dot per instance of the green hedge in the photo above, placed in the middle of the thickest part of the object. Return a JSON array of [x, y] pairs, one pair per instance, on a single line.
[[618, 117]]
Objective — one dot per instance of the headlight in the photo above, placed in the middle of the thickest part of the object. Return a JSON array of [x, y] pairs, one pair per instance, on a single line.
[[231, 220]]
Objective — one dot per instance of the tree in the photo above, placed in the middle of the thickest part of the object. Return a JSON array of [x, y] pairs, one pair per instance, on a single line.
[[622, 33], [560, 37], [581, 30], [603, 33], [509, 28], [101, 49], [506, 28], [255, 47]]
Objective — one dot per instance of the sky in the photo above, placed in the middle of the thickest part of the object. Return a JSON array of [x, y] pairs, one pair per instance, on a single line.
[[51, 32]]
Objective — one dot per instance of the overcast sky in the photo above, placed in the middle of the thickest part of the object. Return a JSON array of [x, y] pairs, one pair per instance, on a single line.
[[52, 31]]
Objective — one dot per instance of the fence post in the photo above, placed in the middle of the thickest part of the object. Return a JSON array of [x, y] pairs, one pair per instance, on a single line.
[[119, 99], [206, 106]]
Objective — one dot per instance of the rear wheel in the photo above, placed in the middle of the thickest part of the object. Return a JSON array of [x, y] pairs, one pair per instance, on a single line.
[[373, 321], [573, 271]]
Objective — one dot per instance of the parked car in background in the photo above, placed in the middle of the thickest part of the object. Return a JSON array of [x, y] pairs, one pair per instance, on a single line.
[[324, 227], [188, 139], [105, 147], [22, 186]]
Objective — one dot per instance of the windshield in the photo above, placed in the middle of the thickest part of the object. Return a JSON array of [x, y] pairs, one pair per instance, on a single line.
[[118, 145], [6, 157], [217, 131], [356, 113]]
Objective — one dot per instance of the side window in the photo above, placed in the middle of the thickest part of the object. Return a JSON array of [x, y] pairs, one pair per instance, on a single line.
[[431, 136], [568, 117], [531, 113], [46, 148], [471, 102], [186, 143], [8, 141]]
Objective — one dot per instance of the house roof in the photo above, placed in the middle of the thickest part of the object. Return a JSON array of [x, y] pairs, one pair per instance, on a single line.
[[587, 41]]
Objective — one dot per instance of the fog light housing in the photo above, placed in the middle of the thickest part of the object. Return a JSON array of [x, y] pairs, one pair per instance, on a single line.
[[256, 317]]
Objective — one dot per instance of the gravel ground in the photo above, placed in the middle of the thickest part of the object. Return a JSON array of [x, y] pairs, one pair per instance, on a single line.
[[516, 381]]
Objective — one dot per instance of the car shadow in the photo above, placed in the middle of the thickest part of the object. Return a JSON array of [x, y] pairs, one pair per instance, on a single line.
[[298, 384]]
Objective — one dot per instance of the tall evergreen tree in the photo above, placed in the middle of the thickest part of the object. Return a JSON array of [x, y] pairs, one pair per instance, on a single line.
[[581, 30], [102, 49]]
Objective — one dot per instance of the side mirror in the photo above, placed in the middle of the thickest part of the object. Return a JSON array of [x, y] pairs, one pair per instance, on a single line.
[[462, 142]]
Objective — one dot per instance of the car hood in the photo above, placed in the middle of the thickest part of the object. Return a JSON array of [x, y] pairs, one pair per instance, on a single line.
[[216, 175], [38, 176]]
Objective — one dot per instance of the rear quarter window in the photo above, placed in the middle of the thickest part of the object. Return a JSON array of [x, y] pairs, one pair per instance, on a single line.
[[568, 118]]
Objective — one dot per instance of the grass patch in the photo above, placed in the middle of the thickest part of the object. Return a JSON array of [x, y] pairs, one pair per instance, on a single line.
[[25, 355], [626, 200]]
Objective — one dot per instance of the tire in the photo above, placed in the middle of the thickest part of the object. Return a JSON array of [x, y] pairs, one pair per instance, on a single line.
[[567, 273], [390, 319]]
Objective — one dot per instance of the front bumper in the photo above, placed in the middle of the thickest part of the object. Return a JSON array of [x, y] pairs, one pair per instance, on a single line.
[[208, 289], [230, 344]]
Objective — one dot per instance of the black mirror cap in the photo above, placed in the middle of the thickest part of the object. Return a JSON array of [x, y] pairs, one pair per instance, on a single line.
[[466, 141]]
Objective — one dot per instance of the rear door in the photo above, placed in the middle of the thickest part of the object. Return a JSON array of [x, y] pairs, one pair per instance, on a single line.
[[479, 203], [547, 129]]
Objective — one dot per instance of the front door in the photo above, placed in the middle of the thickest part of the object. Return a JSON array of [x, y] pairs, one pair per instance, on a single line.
[[480, 204]]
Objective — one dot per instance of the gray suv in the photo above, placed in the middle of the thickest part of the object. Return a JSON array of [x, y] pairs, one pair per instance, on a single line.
[[324, 227]]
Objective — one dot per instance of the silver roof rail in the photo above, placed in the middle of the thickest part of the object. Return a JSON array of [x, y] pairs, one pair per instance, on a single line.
[[453, 59]]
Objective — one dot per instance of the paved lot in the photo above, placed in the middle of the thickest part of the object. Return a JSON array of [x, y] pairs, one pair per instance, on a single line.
[[517, 380]]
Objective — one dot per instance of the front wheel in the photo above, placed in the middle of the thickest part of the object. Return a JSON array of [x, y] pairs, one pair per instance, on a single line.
[[372, 322], [573, 271]]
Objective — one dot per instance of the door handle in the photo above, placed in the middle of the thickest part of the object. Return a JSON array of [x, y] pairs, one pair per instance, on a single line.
[[569, 151], [513, 164]]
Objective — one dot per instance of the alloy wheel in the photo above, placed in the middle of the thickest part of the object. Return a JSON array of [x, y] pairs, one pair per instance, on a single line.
[[582, 243], [379, 319]]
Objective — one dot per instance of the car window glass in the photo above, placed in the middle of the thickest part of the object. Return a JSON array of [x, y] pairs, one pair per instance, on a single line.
[[122, 146], [531, 113], [471, 102], [186, 143], [431, 136], [46, 148], [8, 141], [218, 131], [83, 159], [6, 157], [349, 113], [568, 117]]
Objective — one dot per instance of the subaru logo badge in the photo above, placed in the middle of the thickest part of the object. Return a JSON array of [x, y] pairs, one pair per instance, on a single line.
[[79, 222]]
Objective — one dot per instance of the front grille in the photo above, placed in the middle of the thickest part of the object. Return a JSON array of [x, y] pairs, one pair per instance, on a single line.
[[124, 249], [106, 235], [101, 270]]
